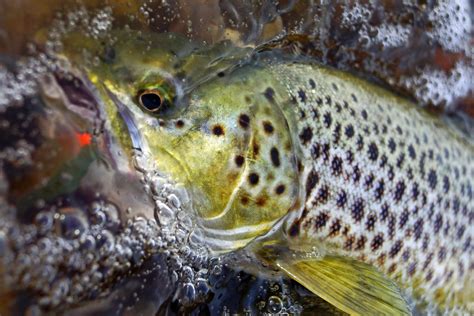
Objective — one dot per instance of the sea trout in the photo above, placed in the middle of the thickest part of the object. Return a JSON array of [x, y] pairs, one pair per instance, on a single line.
[[354, 192]]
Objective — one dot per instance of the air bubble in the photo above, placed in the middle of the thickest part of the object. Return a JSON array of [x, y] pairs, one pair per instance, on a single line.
[[274, 305]]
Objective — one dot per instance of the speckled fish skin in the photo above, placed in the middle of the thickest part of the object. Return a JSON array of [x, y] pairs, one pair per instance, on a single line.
[[384, 182], [311, 157]]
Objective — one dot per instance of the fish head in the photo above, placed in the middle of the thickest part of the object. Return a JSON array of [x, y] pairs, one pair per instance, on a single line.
[[224, 138]]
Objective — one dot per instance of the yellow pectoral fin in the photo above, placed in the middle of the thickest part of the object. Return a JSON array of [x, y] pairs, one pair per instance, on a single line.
[[352, 286]]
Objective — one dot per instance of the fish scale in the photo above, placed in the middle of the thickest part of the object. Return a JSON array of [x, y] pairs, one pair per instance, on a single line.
[[385, 183]]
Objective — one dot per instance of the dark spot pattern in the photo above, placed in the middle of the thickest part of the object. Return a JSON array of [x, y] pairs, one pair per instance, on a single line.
[[239, 160], [218, 130], [253, 178], [306, 135], [275, 157], [268, 127], [349, 131], [244, 121], [357, 210], [321, 220], [280, 189]]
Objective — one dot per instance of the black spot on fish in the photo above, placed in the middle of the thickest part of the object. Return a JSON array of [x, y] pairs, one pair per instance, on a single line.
[[399, 190], [354, 98], [253, 178], [370, 223], [446, 184], [179, 123], [244, 121], [306, 135], [336, 166], [315, 113], [323, 194], [391, 223], [369, 180], [399, 130], [320, 220], [312, 83], [357, 210], [384, 211], [338, 107], [360, 245], [432, 179], [341, 199], [319, 101], [364, 114], [377, 242], [349, 157], [392, 145], [280, 189], [373, 151], [356, 174], [403, 218], [268, 127], [239, 160], [311, 181], [349, 131], [400, 160], [327, 119], [269, 94], [411, 152], [438, 223], [335, 228], [328, 100], [337, 133], [418, 228], [379, 190], [359, 142], [335, 87], [220, 74], [415, 191], [275, 156], [316, 151], [395, 249], [302, 95], [218, 130]]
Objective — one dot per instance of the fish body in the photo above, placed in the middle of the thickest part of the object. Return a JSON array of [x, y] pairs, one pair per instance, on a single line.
[[343, 186]]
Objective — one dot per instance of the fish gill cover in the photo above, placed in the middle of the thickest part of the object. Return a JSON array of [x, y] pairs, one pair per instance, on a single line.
[[80, 223]]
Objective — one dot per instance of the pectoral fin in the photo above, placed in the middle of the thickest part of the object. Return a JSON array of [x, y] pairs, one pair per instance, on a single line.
[[352, 286]]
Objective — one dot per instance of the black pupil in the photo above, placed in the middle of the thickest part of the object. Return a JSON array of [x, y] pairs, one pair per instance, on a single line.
[[151, 101]]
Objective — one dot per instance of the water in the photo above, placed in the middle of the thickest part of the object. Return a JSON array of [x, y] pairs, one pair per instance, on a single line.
[[87, 230]]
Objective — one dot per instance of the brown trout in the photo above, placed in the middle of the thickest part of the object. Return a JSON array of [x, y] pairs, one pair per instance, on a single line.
[[354, 192]]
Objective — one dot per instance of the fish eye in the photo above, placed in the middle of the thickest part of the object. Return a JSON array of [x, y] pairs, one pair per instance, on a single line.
[[150, 100]]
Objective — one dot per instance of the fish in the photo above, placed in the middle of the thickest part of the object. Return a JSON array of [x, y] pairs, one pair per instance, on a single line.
[[355, 192]]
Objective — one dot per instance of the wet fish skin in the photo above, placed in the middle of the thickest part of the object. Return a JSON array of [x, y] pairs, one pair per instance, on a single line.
[[314, 158], [385, 182]]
